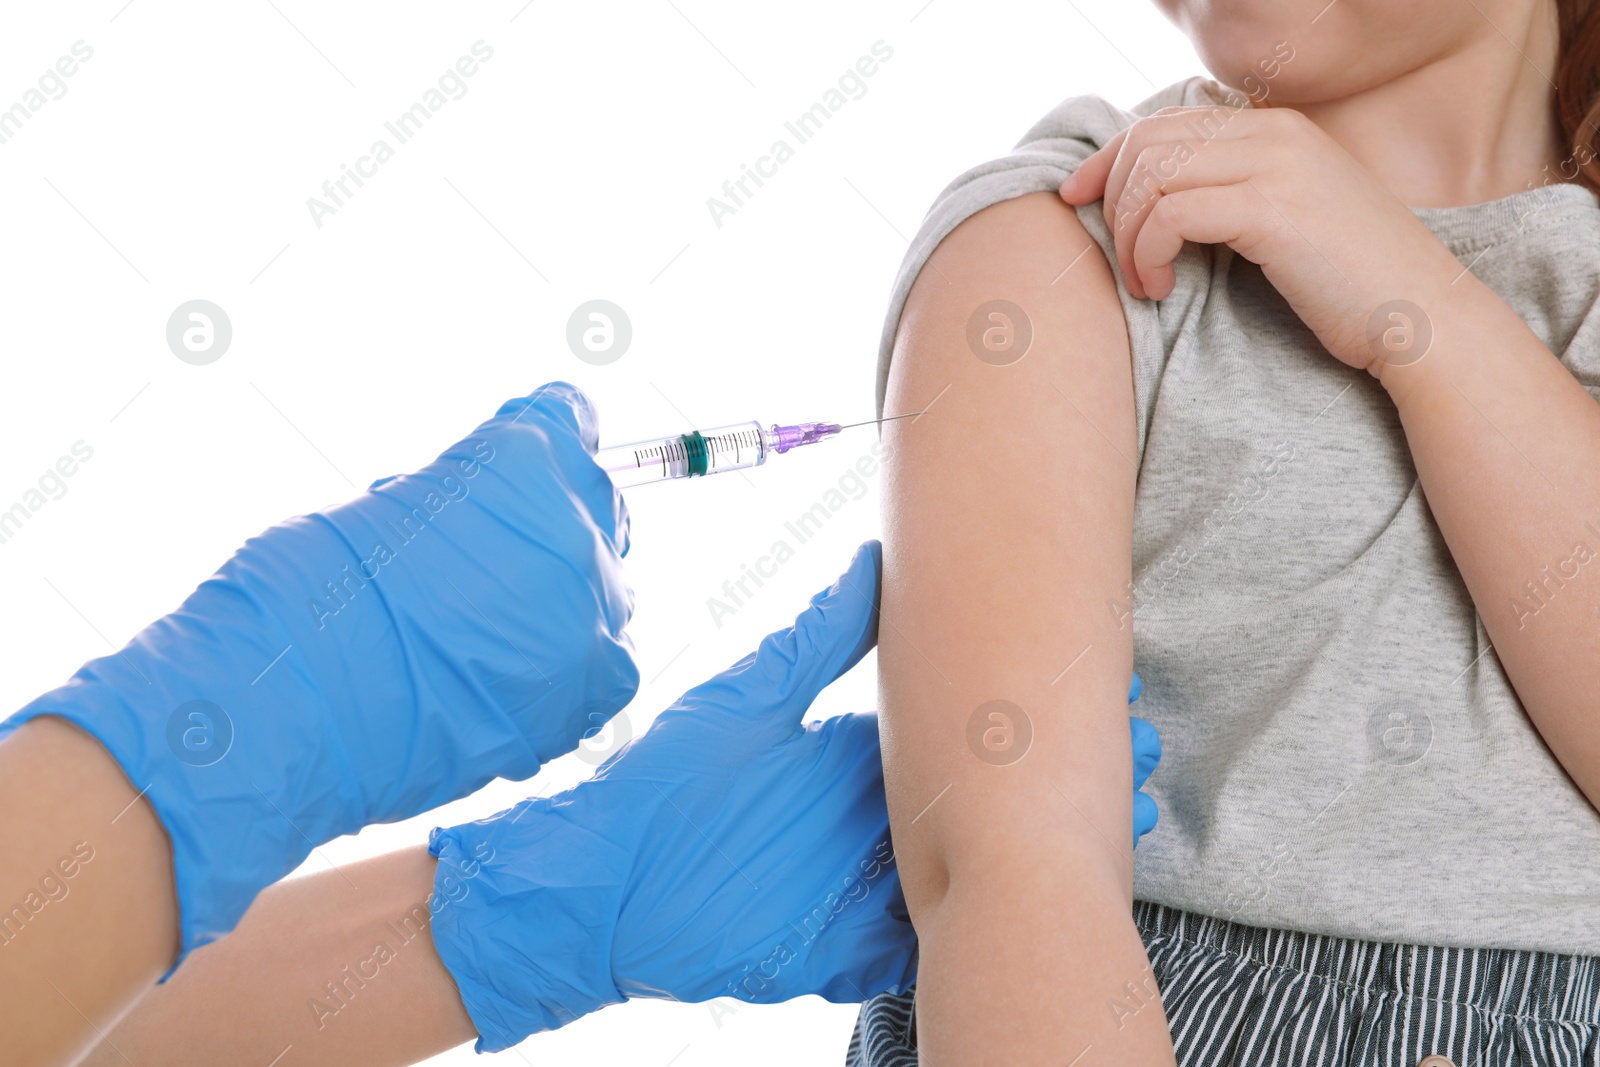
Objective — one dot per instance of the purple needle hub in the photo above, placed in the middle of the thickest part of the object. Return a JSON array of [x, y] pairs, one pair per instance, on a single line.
[[802, 433]]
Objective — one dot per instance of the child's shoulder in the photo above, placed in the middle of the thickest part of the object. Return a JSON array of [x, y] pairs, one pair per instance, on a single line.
[[1093, 119]]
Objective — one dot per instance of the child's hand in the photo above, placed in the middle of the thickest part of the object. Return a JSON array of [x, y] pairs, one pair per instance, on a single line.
[[1279, 191]]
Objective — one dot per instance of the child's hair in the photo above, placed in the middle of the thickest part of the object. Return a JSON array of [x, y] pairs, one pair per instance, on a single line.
[[1577, 98]]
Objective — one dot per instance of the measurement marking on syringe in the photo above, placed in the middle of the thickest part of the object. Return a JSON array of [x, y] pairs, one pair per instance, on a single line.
[[689, 455], [735, 441], [666, 456]]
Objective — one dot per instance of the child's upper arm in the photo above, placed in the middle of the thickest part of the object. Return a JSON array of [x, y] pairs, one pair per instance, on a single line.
[[1008, 531]]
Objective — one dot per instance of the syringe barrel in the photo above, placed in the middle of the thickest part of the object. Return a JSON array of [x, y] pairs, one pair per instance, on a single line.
[[686, 455]]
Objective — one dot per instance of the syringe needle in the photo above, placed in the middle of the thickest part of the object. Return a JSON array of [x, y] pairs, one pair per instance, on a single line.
[[888, 418]]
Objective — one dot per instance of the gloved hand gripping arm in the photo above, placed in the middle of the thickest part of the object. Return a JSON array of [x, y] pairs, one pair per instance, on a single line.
[[730, 851]]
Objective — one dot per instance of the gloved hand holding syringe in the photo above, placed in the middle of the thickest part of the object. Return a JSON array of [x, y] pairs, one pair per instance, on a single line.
[[714, 451]]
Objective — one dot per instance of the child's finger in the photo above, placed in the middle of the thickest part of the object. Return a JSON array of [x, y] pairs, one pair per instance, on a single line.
[[1088, 183]]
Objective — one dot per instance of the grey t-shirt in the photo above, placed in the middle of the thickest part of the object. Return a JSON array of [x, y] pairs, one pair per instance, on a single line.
[[1343, 751]]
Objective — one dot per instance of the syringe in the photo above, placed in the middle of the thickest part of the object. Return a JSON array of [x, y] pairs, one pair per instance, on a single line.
[[713, 451]]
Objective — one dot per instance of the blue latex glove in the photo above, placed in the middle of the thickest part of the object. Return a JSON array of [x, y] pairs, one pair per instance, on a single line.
[[1146, 754], [729, 851], [372, 661]]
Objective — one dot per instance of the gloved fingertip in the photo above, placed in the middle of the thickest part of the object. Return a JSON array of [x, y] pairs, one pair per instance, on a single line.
[[560, 395], [1146, 750], [1135, 688], [1149, 739], [837, 628], [865, 570], [856, 588], [1145, 736], [861, 588], [872, 547], [1145, 816], [562, 403]]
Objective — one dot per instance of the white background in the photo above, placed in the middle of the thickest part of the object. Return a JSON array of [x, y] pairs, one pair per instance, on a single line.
[[577, 166]]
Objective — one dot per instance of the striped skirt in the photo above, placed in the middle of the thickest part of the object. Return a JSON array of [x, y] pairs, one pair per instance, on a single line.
[[1237, 995]]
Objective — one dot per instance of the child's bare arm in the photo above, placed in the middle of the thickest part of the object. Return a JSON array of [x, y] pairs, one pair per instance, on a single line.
[[1008, 532], [1505, 441]]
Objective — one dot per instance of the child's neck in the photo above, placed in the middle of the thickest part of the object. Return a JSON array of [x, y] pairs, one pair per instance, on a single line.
[[1468, 127]]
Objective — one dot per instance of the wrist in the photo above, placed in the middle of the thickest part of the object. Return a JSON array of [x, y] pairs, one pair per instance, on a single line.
[[524, 913], [1455, 321]]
